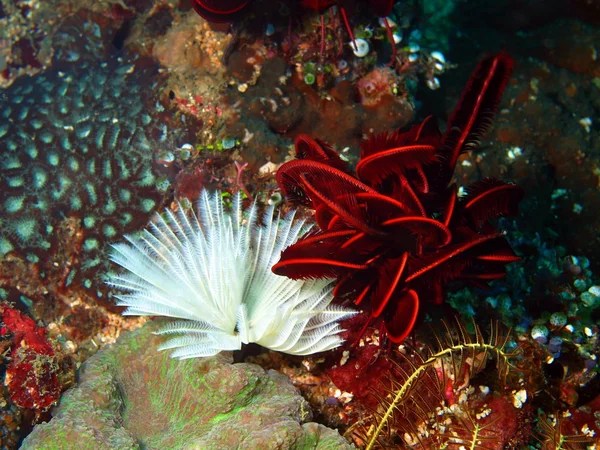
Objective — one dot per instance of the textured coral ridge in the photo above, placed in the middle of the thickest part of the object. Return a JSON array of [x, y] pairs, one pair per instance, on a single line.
[[75, 143], [398, 232], [129, 396], [215, 273]]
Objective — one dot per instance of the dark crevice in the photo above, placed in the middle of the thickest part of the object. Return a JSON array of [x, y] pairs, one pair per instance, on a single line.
[[121, 35]]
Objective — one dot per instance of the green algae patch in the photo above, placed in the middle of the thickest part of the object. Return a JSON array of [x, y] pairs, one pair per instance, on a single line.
[[130, 396], [226, 416]]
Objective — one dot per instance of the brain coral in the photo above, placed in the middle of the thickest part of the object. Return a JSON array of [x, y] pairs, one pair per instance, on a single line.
[[129, 396], [76, 143]]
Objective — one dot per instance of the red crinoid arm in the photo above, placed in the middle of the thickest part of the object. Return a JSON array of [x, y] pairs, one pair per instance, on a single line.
[[419, 179], [316, 237], [307, 267], [289, 179], [308, 148], [424, 133], [491, 198], [355, 245], [475, 111], [348, 27], [448, 262], [403, 192], [320, 6], [427, 132], [432, 232], [485, 276], [384, 148], [389, 283], [450, 205], [382, 207], [435, 292], [345, 206], [402, 316], [327, 220], [317, 150], [390, 35], [319, 256], [498, 251], [500, 256], [373, 169], [355, 284], [219, 10], [377, 208], [483, 272]]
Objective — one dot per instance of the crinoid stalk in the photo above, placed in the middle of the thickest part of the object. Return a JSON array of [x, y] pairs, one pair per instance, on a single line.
[[212, 272]]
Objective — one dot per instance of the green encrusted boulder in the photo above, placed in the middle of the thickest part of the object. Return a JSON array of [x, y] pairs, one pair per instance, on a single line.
[[130, 396]]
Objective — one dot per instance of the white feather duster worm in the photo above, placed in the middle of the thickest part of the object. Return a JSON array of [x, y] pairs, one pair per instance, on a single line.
[[214, 275]]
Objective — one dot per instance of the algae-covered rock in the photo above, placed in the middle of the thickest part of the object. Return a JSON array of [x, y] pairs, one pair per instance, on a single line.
[[131, 396]]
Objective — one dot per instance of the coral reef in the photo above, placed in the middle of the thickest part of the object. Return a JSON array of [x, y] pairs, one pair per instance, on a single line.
[[72, 152], [35, 35], [243, 85], [10, 426], [72, 314], [131, 396], [543, 137], [192, 54], [78, 147], [79, 144], [219, 106]]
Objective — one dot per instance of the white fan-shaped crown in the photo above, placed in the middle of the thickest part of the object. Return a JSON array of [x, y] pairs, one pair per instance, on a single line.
[[213, 274]]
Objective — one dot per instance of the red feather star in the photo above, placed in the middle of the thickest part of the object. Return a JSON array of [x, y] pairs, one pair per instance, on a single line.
[[395, 234]]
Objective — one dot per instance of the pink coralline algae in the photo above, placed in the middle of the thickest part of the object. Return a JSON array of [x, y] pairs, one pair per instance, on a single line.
[[375, 85], [32, 373]]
